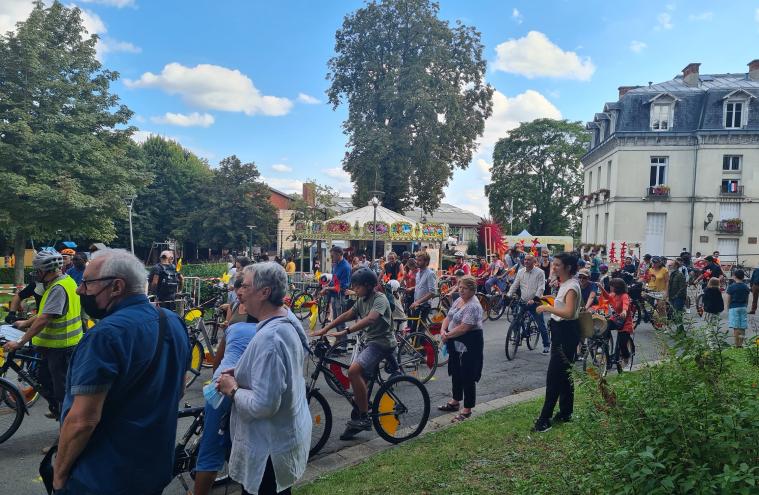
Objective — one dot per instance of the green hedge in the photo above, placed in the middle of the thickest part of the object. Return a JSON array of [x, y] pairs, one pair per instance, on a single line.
[[204, 270], [6, 275]]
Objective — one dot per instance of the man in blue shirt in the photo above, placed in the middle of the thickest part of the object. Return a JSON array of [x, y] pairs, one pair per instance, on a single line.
[[341, 280], [119, 417], [79, 262]]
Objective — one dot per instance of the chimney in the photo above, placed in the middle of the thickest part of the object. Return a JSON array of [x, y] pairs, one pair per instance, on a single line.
[[624, 89], [753, 70], [690, 75]]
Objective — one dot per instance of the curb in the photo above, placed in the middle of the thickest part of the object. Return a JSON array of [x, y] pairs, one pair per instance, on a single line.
[[355, 454]]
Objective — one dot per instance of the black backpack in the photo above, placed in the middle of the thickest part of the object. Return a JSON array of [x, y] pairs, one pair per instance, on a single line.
[[168, 282]]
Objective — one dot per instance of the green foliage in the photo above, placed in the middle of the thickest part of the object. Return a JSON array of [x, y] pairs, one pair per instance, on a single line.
[[204, 270], [7, 275], [473, 248], [538, 167], [417, 100], [687, 426], [324, 209]]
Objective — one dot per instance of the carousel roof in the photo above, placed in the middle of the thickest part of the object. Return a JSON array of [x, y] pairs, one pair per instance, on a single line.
[[366, 214]]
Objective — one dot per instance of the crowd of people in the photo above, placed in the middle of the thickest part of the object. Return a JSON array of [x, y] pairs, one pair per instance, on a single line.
[[115, 387]]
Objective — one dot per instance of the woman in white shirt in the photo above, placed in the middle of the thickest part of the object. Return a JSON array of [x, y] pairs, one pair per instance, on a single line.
[[565, 336]]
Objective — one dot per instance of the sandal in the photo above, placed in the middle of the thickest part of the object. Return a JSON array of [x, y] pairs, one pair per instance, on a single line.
[[461, 417], [448, 407]]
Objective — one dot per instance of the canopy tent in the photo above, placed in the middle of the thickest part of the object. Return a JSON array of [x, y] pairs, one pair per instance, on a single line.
[[359, 225]]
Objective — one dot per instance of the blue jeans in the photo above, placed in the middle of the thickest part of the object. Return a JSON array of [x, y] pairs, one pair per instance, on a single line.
[[541, 323], [500, 282]]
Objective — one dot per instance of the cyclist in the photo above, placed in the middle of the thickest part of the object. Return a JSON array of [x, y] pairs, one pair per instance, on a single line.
[[460, 264], [498, 276], [55, 330], [393, 269], [165, 281], [531, 283], [425, 287], [621, 322], [588, 290], [372, 310]]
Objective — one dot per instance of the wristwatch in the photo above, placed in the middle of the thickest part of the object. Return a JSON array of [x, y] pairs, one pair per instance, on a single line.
[[234, 391]]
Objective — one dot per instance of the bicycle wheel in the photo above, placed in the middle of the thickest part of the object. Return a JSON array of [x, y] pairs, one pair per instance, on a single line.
[[510, 311], [323, 309], [11, 409], [532, 334], [512, 340], [598, 355], [497, 308], [441, 350], [631, 347], [197, 354], [400, 409], [417, 356], [636, 314], [338, 379], [485, 304], [700, 305], [321, 417], [300, 305]]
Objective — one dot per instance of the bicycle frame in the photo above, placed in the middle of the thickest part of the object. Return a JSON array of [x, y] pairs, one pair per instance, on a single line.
[[10, 363]]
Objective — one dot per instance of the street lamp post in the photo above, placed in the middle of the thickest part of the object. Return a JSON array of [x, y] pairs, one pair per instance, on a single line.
[[130, 203], [250, 242], [374, 202]]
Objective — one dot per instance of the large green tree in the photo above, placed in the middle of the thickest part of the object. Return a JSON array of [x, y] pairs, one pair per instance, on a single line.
[[537, 166], [64, 151], [417, 100], [233, 199]]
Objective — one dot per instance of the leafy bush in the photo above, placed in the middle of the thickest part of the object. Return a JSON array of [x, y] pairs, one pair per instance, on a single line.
[[688, 425], [6, 275]]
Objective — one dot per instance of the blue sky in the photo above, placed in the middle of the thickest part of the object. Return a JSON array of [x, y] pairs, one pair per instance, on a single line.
[[248, 77]]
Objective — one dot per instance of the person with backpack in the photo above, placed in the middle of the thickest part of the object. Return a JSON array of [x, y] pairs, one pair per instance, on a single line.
[[165, 281]]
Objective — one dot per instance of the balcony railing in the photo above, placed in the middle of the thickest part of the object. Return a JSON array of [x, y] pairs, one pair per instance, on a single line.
[[657, 192], [731, 226], [731, 192]]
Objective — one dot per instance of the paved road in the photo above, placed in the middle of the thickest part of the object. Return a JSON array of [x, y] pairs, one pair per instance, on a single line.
[[20, 456]]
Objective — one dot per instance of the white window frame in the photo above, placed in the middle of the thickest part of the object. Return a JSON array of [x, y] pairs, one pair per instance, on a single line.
[[598, 179], [608, 175], [731, 169], [655, 119], [661, 172], [744, 113]]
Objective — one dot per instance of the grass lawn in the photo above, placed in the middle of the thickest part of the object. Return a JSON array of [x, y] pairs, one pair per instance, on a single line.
[[495, 453]]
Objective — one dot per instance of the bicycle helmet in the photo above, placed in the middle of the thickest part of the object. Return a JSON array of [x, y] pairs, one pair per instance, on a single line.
[[459, 273], [68, 252], [325, 278], [394, 285], [47, 261], [604, 268], [364, 277], [459, 254]]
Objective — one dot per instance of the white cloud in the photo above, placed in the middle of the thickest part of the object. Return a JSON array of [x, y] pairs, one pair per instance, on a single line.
[[665, 21], [119, 4], [308, 99], [517, 16], [637, 46], [536, 56], [194, 119], [13, 11], [281, 167], [288, 186], [92, 22], [110, 45], [337, 173], [213, 87], [508, 113], [703, 16]]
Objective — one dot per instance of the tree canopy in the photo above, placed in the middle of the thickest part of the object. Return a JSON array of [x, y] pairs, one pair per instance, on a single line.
[[538, 167], [417, 100], [66, 158]]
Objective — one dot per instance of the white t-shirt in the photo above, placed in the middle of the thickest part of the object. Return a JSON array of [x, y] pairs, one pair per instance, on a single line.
[[566, 286]]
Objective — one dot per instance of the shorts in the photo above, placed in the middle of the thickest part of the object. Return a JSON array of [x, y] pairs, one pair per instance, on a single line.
[[369, 358], [214, 448], [737, 318]]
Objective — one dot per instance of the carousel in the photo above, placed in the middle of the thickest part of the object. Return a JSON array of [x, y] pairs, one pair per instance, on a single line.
[[361, 227]]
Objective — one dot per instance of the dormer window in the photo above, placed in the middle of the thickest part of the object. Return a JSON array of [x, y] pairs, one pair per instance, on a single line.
[[733, 114], [660, 116]]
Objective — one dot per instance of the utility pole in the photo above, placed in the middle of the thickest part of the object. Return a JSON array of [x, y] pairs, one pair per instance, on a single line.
[[130, 203]]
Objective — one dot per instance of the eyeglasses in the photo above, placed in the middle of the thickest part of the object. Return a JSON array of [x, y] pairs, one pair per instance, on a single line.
[[85, 282], [246, 286]]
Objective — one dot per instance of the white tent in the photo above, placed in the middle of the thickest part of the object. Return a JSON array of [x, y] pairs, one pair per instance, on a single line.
[[366, 215]]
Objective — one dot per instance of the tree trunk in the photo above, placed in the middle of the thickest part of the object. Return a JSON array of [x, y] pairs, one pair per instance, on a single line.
[[19, 248]]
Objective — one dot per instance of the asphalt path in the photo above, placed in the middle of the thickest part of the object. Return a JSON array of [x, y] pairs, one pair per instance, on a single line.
[[21, 454]]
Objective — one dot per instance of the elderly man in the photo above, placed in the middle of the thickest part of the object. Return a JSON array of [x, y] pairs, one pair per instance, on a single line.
[[126, 377], [270, 422], [55, 330], [165, 281], [531, 282]]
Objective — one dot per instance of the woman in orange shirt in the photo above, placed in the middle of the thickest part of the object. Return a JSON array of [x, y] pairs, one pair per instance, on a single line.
[[622, 322]]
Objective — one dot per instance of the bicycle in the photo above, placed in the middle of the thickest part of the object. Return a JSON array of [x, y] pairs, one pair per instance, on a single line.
[[431, 330], [523, 327], [15, 402], [497, 304], [186, 450], [394, 409]]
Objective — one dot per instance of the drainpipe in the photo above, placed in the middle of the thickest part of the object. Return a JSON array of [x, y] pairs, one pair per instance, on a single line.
[[693, 193]]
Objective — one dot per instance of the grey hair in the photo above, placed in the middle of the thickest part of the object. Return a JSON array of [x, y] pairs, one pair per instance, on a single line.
[[122, 264], [272, 275]]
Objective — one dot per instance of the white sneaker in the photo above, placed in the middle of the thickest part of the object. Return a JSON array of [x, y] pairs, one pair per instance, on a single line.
[[546, 350]]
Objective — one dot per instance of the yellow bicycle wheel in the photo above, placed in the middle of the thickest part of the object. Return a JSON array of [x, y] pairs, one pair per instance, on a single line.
[[196, 361]]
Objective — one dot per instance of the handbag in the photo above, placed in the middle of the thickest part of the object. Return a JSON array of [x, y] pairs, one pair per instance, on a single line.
[[585, 320]]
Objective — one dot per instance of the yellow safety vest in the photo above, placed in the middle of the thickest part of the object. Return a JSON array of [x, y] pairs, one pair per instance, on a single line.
[[66, 330]]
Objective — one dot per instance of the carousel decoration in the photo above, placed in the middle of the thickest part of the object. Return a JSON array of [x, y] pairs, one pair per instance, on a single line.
[[338, 227]]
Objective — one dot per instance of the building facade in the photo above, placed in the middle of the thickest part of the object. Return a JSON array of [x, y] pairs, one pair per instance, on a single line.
[[674, 165]]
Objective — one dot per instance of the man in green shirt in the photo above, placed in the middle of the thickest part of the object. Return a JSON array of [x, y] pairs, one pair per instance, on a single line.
[[372, 310]]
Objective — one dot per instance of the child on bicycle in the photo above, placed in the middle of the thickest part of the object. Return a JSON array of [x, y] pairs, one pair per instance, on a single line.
[[621, 322], [372, 310]]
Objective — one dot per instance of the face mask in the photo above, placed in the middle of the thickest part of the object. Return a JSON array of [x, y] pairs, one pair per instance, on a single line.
[[90, 306]]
